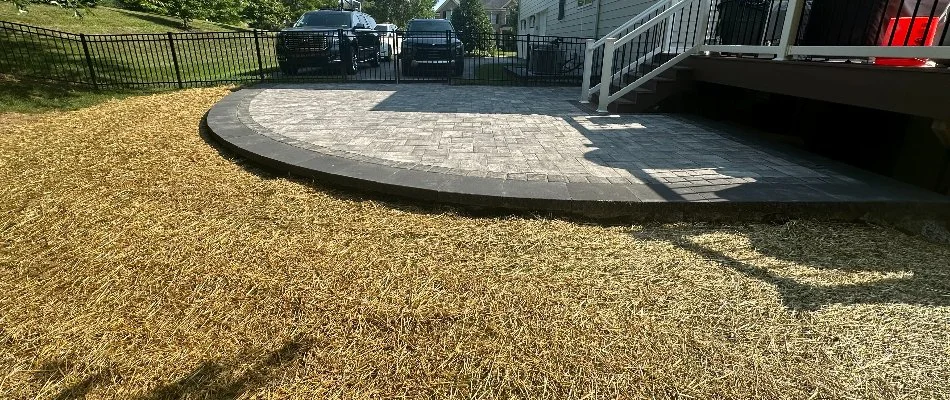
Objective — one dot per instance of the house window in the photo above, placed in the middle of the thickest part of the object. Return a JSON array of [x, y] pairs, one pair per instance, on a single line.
[[531, 22], [560, 9], [524, 24], [581, 3]]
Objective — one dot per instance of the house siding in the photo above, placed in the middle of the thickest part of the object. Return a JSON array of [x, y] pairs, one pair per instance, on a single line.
[[579, 21], [614, 13]]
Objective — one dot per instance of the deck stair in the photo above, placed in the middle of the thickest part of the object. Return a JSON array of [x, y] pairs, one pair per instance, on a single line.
[[639, 61], [648, 97]]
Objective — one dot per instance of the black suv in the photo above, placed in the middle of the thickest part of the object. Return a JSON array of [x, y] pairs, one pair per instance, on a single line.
[[430, 43], [320, 38]]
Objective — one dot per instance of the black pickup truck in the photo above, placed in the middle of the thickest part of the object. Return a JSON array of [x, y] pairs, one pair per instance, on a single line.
[[431, 43], [325, 37]]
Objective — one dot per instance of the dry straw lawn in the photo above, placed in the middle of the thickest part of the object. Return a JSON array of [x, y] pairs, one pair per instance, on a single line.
[[138, 262]]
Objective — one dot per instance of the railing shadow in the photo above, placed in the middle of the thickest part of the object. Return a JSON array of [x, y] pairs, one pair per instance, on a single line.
[[212, 379], [849, 270]]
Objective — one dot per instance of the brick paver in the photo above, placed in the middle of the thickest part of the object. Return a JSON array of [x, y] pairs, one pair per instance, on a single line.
[[516, 133]]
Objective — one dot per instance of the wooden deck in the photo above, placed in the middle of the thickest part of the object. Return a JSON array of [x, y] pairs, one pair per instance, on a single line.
[[916, 91]]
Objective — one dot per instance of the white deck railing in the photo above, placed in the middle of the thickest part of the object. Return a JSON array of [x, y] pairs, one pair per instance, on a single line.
[[617, 69]]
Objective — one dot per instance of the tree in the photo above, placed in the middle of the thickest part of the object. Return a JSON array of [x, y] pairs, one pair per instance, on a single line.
[[399, 12], [293, 9], [512, 20], [264, 14], [77, 7], [475, 30], [186, 10], [226, 11]]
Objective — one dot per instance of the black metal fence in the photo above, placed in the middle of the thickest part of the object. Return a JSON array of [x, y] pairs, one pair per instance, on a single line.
[[832, 22], [874, 23], [199, 59]]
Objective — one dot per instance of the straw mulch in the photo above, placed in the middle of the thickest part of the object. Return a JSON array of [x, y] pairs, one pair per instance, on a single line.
[[139, 262]]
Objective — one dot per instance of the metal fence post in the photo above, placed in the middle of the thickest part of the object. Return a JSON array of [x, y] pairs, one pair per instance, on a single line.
[[171, 46], [343, 63], [793, 17], [394, 58], [260, 60], [588, 70], [607, 74], [92, 69], [527, 50], [448, 45]]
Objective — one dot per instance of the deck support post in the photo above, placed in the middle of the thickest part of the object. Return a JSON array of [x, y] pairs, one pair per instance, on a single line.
[[793, 18], [588, 71], [607, 74]]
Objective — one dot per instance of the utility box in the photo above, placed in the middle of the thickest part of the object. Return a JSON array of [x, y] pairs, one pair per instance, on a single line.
[[546, 59]]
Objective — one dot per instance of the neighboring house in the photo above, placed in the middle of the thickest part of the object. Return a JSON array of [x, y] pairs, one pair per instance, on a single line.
[[497, 11], [577, 18]]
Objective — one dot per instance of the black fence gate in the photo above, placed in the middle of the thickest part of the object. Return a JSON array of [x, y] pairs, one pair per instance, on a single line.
[[201, 59]]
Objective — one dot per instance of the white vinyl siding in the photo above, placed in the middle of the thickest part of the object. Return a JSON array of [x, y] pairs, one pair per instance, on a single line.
[[579, 20], [614, 13]]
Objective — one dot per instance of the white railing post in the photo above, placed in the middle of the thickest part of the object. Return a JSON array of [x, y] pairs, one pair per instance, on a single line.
[[667, 35], [588, 70], [607, 74], [793, 17], [703, 25]]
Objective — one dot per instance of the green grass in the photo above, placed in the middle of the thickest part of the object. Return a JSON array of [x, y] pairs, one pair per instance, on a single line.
[[491, 72], [142, 60], [101, 20], [37, 97]]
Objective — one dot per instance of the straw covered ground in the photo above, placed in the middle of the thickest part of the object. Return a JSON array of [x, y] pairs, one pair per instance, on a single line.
[[139, 262]]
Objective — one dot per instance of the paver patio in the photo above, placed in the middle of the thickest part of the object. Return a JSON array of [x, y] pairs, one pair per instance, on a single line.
[[509, 146]]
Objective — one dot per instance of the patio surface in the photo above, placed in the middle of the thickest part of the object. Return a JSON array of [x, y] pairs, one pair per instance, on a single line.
[[534, 148]]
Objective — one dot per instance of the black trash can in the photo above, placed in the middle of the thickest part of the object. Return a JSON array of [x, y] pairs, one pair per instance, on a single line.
[[846, 23], [742, 22]]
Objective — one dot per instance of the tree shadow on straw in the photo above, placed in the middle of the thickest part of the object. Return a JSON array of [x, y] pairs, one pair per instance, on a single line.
[[212, 379], [919, 284], [52, 371]]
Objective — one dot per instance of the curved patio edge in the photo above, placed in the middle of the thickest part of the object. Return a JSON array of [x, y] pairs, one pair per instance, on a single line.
[[634, 202]]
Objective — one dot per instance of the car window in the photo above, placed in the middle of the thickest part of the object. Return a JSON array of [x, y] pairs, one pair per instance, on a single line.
[[429, 25], [329, 19]]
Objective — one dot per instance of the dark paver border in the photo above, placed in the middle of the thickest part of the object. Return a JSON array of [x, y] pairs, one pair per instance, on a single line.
[[651, 202]]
